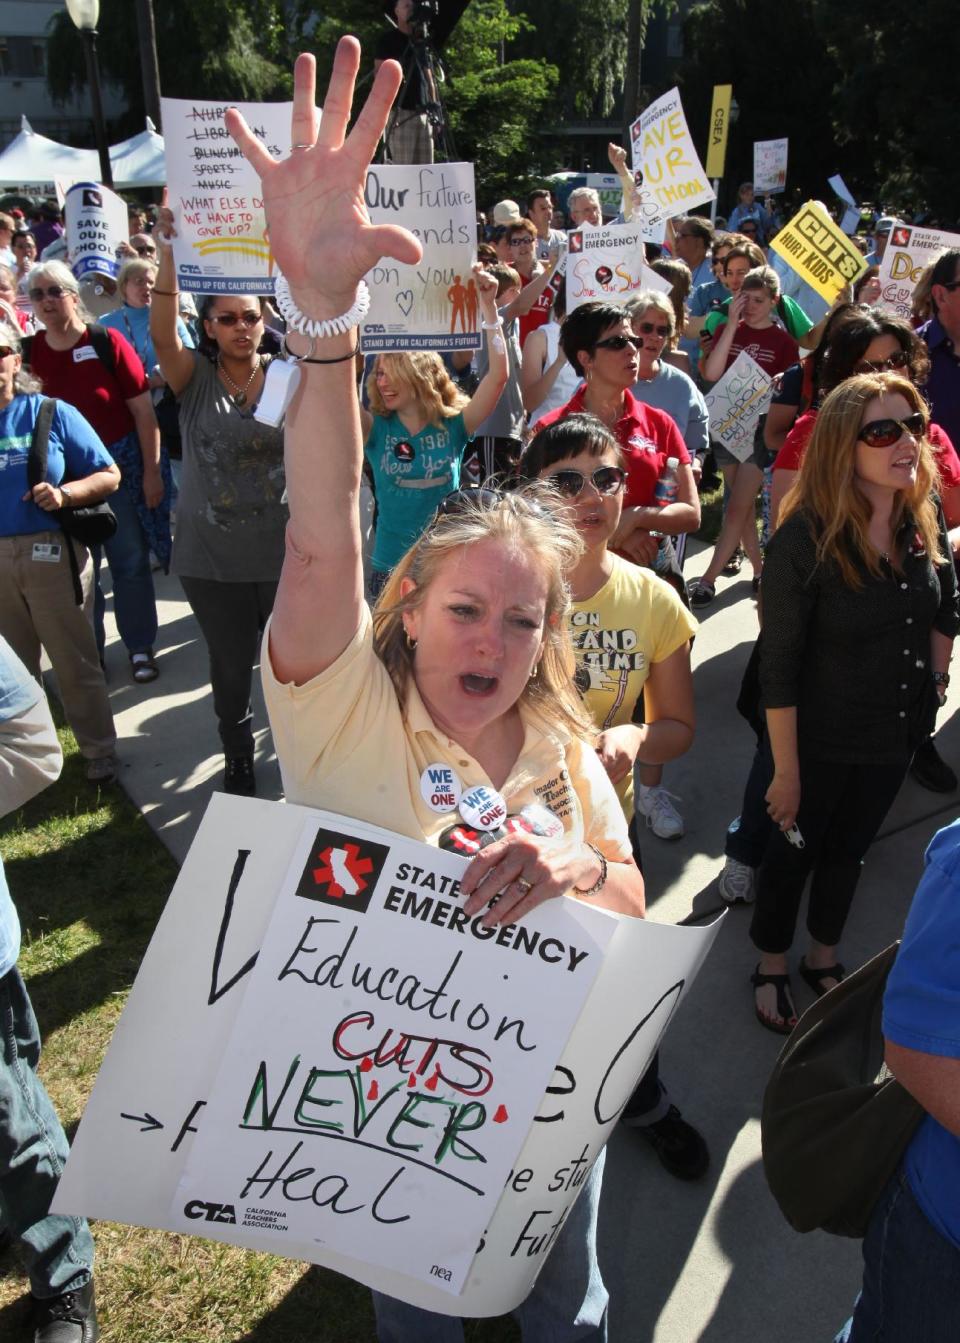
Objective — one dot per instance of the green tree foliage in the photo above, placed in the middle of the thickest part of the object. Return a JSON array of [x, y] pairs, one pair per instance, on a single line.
[[587, 44], [205, 48], [860, 89]]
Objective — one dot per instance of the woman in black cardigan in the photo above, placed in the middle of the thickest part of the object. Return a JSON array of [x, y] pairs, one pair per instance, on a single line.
[[859, 615]]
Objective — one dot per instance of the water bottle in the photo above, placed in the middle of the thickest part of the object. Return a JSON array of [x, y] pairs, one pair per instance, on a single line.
[[668, 486]]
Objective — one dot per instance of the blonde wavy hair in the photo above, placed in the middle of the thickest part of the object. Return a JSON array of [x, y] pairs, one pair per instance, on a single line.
[[827, 490], [425, 375], [532, 521]]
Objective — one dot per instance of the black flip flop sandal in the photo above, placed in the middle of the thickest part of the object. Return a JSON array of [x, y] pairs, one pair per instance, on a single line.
[[814, 978], [785, 1004]]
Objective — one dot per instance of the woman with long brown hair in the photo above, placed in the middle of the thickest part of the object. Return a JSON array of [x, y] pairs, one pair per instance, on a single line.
[[859, 616]]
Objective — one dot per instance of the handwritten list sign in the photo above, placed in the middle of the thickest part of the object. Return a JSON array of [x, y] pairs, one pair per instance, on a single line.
[[372, 1083], [433, 304], [222, 245]]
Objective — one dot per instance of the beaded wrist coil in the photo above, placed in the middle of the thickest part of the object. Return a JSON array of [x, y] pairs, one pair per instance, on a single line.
[[312, 326], [601, 880]]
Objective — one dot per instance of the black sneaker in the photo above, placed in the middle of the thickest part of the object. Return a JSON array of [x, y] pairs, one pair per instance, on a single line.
[[238, 776], [69, 1318], [681, 1149], [930, 769]]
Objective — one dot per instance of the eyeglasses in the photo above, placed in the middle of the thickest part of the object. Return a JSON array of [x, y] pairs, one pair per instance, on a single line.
[[605, 480], [521, 242], [473, 497], [618, 343], [52, 291], [884, 433], [232, 318], [6, 350], [900, 359], [650, 329]]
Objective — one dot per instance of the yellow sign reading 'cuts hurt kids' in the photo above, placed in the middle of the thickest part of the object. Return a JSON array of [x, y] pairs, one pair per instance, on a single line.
[[818, 251]]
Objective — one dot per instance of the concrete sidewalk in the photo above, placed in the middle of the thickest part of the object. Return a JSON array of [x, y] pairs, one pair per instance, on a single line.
[[712, 1261]]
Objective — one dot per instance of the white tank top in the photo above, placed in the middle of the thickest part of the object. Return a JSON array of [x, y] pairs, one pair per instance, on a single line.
[[567, 380]]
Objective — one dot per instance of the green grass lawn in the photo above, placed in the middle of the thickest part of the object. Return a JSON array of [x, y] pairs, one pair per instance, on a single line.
[[90, 878]]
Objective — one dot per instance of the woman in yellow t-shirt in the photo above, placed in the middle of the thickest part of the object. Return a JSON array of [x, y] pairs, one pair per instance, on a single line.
[[631, 637], [463, 671]]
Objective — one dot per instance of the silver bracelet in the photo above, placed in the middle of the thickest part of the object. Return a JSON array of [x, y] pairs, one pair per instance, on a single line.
[[313, 326], [491, 326], [600, 882]]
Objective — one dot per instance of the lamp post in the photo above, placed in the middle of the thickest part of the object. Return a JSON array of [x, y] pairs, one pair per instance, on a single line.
[[85, 14]]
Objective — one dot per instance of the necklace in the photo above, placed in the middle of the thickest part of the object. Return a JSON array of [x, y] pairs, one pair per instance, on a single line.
[[239, 397]]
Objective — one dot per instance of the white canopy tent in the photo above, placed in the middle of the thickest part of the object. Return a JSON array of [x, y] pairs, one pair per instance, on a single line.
[[138, 162], [33, 163]]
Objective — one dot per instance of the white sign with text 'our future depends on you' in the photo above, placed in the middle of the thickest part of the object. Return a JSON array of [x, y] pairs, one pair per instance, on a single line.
[[221, 245], [663, 150], [607, 265], [909, 250], [736, 403], [152, 1097], [96, 223], [432, 304]]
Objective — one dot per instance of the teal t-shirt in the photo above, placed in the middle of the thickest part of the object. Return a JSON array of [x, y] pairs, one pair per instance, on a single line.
[[411, 474]]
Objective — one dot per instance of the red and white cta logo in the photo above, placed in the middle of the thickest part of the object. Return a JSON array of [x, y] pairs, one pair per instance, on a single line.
[[342, 870]]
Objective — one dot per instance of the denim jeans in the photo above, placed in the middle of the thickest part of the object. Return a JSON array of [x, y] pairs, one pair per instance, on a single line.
[[134, 601], [911, 1276], [57, 1251], [568, 1302]]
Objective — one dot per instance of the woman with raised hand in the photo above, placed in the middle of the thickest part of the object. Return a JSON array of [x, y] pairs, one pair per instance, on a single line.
[[231, 516], [464, 661]]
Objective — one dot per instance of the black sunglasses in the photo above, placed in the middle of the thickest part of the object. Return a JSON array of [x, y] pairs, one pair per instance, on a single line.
[[51, 291], [484, 496], [7, 350], [232, 318], [900, 359], [884, 433], [605, 480], [651, 329], [618, 343]]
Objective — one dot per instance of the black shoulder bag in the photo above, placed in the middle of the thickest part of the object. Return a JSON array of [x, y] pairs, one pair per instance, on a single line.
[[92, 524]]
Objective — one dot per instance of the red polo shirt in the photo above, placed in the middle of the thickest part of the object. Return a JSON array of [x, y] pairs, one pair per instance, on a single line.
[[78, 377], [647, 437]]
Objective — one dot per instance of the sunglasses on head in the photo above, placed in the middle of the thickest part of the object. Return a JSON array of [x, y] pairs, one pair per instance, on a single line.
[[51, 291], [232, 318], [884, 433], [6, 350], [651, 329], [605, 480], [484, 496], [900, 359], [618, 343]]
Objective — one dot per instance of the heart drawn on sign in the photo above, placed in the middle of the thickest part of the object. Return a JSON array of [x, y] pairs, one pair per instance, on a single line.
[[405, 301]]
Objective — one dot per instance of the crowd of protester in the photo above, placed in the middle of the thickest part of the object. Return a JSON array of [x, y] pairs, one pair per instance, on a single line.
[[571, 454]]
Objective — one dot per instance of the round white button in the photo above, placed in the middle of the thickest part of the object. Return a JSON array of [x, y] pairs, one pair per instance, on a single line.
[[483, 807], [440, 787]]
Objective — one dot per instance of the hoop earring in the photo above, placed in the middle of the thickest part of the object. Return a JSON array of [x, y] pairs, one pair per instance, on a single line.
[[535, 673], [411, 643]]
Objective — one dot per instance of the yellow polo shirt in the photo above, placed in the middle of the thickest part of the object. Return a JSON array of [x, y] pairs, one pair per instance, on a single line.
[[346, 744]]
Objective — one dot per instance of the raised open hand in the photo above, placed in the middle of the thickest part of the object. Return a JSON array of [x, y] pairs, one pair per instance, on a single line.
[[319, 229]]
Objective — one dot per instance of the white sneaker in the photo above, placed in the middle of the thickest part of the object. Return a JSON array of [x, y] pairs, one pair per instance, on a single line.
[[736, 883], [661, 815]]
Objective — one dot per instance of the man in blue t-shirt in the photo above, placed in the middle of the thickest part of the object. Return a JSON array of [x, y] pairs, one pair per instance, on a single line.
[[911, 1283], [57, 1251]]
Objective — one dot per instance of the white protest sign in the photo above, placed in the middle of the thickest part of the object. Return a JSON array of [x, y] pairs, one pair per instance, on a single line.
[[150, 1101], [850, 219], [736, 403], [432, 304], [96, 223], [909, 250], [393, 1051], [770, 165], [221, 245], [665, 154], [607, 265]]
